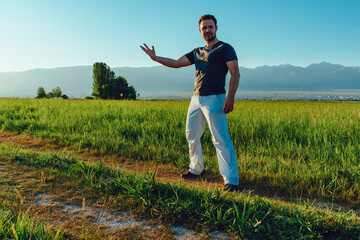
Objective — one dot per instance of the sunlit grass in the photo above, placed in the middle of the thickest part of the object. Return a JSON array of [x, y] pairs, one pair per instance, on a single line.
[[21, 226], [241, 213], [300, 147]]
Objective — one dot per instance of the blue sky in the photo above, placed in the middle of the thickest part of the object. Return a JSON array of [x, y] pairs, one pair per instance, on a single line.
[[49, 34]]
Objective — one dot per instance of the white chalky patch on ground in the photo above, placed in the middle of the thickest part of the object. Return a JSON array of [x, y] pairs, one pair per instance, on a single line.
[[111, 220], [327, 205], [184, 233], [121, 219], [118, 220], [149, 228], [44, 199], [216, 235]]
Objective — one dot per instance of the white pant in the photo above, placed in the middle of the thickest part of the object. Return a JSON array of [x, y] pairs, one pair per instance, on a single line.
[[209, 109]]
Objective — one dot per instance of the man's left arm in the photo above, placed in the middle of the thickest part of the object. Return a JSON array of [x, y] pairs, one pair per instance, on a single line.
[[234, 84]]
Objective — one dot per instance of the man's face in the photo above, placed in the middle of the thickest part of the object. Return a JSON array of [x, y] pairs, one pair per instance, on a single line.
[[208, 30]]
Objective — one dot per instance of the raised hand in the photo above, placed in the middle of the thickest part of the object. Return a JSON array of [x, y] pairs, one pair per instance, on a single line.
[[148, 51]]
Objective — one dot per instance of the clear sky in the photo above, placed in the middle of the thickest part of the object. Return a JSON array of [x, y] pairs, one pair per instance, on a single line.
[[49, 34]]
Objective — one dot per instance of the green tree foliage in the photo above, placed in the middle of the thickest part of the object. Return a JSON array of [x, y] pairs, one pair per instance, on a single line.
[[107, 86], [50, 95], [102, 76], [57, 93], [41, 93]]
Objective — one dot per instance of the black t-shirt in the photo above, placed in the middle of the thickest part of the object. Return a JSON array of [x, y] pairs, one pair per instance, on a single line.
[[211, 68]]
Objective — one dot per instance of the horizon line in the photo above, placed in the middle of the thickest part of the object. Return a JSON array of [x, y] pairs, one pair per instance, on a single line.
[[264, 65]]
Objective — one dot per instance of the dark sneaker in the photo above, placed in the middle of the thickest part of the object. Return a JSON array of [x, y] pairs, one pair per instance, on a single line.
[[189, 175], [231, 188]]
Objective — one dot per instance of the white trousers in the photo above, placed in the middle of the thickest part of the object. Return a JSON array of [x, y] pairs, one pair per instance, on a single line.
[[209, 109]]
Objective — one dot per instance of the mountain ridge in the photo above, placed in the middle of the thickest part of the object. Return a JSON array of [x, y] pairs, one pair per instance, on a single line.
[[76, 81]]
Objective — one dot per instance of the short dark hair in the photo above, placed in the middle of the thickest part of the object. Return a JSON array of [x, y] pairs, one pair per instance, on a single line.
[[207, 17]]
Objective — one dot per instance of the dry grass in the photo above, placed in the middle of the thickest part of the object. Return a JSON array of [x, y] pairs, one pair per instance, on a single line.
[[19, 186]]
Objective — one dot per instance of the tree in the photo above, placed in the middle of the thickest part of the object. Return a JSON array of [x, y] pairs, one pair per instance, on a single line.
[[123, 90], [107, 86], [41, 93], [120, 89], [50, 95], [102, 76], [57, 93]]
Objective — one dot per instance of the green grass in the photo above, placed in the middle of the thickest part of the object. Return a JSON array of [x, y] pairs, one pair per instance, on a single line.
[[241, 214], [21, 226], [299, 147]]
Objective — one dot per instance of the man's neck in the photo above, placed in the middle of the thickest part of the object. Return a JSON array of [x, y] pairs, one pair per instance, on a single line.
[[212, 43]]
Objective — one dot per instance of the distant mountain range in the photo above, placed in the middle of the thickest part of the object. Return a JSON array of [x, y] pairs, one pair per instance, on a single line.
[[162, 81]]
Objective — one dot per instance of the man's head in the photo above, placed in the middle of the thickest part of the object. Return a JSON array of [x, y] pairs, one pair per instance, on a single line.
[[207, 17], [208, 27]]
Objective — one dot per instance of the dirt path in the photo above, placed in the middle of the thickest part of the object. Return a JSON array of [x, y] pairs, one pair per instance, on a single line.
[[163, 172]]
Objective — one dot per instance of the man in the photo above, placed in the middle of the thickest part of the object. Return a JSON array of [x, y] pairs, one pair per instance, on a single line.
[[209, 103]]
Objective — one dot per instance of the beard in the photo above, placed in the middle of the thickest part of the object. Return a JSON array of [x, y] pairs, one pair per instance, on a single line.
[[210, 37]]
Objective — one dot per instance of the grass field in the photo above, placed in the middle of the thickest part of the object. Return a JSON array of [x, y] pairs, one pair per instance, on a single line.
[[301, 148], [242, 214]]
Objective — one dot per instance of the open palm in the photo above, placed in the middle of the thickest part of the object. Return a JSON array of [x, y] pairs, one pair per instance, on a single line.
[[148, 51]]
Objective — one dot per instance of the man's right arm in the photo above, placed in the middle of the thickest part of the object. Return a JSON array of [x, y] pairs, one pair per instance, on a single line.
[[183, 61]]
